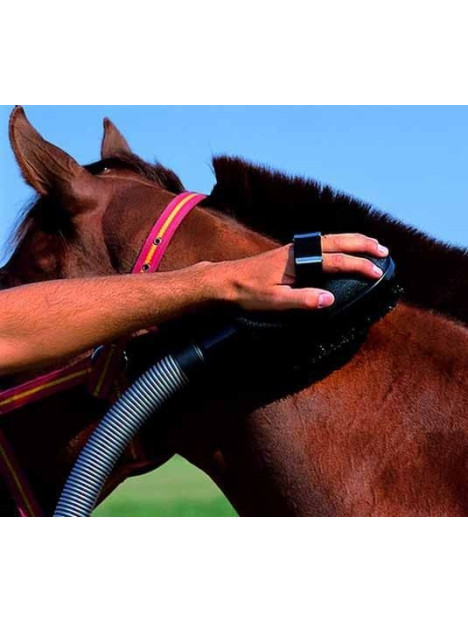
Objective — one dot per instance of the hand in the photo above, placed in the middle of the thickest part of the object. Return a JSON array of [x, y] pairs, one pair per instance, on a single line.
[[263, 282]]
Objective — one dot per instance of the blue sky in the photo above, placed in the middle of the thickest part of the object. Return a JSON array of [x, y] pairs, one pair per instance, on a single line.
[[410, 161]]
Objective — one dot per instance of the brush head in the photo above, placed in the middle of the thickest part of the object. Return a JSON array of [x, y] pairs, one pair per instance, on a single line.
[[301, 347], [277, 354]]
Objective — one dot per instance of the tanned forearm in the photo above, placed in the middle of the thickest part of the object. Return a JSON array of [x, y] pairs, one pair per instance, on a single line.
[[45, 322]]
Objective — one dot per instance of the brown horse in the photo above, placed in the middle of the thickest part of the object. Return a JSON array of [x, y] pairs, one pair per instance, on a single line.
[[386, 433]]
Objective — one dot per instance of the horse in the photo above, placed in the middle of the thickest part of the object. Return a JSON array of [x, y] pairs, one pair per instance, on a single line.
[[380, 432]]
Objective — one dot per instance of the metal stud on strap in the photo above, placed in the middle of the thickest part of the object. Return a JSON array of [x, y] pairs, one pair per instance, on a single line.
[[308, 259]]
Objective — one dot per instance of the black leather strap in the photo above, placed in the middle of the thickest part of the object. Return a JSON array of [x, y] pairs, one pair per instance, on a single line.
[[308, 259]]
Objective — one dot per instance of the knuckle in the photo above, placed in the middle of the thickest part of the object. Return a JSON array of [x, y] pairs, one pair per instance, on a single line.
[[339, 260], [275, 299], [361, 237], [363, 241], [266, 294], [367, 265]]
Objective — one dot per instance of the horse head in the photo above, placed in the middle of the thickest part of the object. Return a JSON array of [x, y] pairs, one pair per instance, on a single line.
[[88, 221]]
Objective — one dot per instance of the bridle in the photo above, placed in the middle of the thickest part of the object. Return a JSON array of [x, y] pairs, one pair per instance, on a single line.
[[100, 372]]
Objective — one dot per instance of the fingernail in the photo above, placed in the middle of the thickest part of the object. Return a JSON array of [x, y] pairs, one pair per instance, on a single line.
[[376, 270], [382, 249], [325, 300]]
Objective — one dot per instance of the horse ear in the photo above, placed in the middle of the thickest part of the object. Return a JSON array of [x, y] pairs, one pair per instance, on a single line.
[[113, 142], [44, 166]]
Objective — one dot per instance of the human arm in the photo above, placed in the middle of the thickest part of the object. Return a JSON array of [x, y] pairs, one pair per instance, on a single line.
[[42, 323]]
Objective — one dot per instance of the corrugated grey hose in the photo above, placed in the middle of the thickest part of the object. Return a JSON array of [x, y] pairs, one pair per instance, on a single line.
[[114, 432]]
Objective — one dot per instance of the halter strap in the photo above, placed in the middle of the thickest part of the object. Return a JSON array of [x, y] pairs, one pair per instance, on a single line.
[[99, 371], [163, 231], [109, 359]]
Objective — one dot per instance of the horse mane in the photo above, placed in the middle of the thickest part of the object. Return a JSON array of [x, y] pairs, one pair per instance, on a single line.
[[434, 274]]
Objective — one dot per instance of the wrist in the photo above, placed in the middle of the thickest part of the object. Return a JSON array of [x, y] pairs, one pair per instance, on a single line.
[[217, 281]]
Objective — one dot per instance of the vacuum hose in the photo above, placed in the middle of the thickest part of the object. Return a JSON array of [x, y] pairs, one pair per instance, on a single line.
[[125, 418]]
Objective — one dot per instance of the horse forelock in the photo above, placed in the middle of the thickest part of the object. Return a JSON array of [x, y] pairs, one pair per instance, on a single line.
[[156, 173]]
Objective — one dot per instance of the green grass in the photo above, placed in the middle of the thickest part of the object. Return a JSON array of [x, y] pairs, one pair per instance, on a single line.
[[175, 489]]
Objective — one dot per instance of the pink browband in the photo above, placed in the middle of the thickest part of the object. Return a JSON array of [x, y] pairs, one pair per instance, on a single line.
[[99, 372], [106, 368], [163, 231]]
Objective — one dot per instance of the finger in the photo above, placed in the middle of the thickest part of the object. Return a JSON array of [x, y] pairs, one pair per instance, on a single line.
[[307, 298], [339, 262], [353, 243]]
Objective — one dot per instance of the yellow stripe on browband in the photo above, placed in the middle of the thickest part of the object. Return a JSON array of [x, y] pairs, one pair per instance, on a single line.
[[163, 229], [17, 481], [165, 226], [41, 387]]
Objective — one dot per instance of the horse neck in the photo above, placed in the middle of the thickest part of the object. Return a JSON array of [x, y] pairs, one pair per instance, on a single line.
[[386, 435], [209, 236]]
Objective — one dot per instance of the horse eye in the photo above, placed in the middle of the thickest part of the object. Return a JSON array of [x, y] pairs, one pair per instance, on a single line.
[[105, 170]]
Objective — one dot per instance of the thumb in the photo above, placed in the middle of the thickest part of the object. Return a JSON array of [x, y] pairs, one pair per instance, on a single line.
[[305, 298]]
